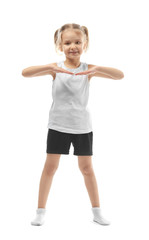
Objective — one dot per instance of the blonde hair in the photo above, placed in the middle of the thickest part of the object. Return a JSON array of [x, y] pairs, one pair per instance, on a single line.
[[58, 34]]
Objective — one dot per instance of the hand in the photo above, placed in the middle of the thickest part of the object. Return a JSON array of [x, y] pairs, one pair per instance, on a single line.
[[55, 69], [88, 72]]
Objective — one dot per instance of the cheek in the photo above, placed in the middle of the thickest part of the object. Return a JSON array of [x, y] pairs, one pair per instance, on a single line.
[[81, 48], [66, 48]]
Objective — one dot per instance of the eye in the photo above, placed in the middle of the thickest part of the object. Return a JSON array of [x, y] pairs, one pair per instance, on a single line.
[[78, 42], [66, 43]]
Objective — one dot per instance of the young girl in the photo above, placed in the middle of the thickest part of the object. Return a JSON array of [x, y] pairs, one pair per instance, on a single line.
[[69, 117]]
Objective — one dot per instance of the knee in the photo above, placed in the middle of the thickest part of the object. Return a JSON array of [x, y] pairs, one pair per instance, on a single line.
[[87, 170], [50, 170]]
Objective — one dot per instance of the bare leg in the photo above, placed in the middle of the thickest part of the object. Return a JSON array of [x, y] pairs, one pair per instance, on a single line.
[[50, 167], [91, 185], [85, 165]]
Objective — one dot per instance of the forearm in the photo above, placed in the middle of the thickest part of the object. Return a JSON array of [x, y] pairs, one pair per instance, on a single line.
[[32, 71], [112, 72]]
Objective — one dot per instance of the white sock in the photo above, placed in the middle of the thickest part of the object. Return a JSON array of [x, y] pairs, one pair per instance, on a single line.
[[98, 217], [40, 217]]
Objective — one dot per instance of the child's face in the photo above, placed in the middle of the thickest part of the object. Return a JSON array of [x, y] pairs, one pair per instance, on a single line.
[[73, 43]]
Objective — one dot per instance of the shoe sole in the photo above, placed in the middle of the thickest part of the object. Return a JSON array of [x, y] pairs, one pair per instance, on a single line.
[[36, 224], [104, 224]]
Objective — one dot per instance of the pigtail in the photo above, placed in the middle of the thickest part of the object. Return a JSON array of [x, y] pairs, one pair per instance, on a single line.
[[57, 40], [85, 31]]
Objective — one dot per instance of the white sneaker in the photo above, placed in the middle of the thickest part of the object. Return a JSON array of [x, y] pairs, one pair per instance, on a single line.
[[98, 218], [101, 221], [40, 217]]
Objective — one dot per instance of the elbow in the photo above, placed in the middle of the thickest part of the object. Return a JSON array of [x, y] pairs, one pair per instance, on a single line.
[[120, 76], [24, 73]]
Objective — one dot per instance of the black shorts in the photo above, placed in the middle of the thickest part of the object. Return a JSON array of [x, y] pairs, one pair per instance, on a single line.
[[59, 143]]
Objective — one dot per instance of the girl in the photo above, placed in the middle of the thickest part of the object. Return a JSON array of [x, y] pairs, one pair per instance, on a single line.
[[69, 118]]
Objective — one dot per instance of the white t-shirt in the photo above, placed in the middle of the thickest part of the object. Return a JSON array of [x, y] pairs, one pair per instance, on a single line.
[[69, 112]]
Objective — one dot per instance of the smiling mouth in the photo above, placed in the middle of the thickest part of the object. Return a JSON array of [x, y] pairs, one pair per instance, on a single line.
[[73, 52]]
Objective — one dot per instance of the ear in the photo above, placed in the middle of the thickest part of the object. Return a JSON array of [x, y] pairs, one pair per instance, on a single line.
[[85, 44], [60, 48]]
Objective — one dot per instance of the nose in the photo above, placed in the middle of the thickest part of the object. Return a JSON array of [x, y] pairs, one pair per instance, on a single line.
[[73, 45]]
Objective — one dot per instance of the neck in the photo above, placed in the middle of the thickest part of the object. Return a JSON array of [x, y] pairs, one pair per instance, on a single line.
[[74, 63]]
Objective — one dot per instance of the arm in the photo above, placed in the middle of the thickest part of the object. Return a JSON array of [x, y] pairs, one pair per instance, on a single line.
[[35, 71], [106, 72]]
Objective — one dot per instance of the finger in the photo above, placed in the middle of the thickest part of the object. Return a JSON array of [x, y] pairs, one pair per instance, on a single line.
[[65, 71], [83, 73]]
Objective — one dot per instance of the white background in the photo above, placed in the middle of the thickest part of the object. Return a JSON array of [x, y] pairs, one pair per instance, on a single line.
[[118, 38]]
